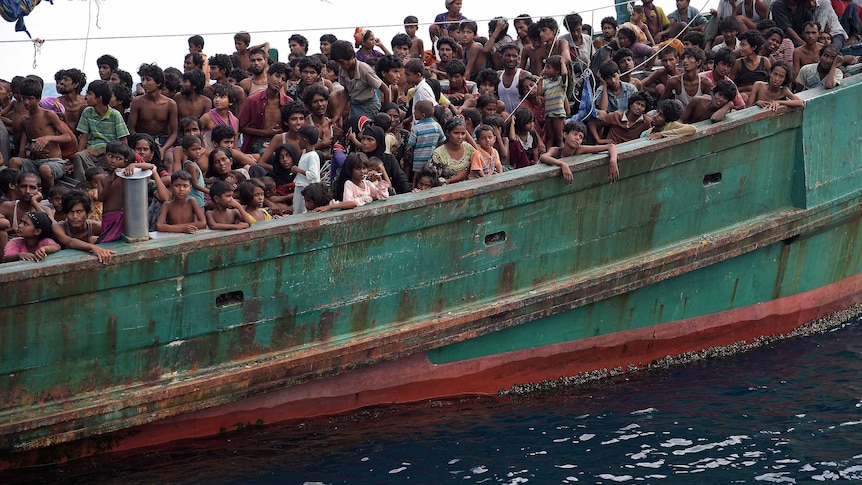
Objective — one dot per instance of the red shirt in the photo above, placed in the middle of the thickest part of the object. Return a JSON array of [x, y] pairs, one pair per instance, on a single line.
[[253, 114]]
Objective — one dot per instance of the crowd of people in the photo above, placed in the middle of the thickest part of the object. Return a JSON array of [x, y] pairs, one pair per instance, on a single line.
[[233, 139]]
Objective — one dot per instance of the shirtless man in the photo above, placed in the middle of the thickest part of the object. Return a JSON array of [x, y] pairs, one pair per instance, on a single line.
[[190, 100], [713, 107], [809, 52], [446, 47], [690, 83], [220, 68], [17, 112], [70, 84], [316, 99], [260, 118], [153, 113], [656, 82], [39, 146], [548, 45], [258, 69]]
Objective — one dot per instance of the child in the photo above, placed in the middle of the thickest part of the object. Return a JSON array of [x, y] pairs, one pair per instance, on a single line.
[[666, 122], [77, 231], [92, 189], [417, 47], [224, 98], [318, 198], [357, 188], [485, 160], [286, 156], [524, 144], [308, 169], [227, 213], [425, 136], [776, 92], [426, 178], [251, 196], [181, 213], [192, 151], [110, 187], [33, 242], [359, 81], [55, 197], [98, 125], [573, 136], [556, 104], [377, 174], [414, 74], [278, 205]]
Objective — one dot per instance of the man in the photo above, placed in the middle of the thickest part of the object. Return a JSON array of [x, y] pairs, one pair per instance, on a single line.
[[684, 14], [190, 101], [70, 85], [690, 83], [260, 118], [809, 51], [220, 68], [316, 99], [298, 45], [153, 113], [107, 65], [258, 68], [824, 73], [510, 76], [791, 15], [446, 48]]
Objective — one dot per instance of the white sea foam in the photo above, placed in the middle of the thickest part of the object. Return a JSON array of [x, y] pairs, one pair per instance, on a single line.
[[676, 442], [615, 478], [651, 464], [644, 411], [775, 478], [586, 437]]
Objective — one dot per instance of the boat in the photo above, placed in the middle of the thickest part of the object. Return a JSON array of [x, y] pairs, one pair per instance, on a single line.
[[749, 228]]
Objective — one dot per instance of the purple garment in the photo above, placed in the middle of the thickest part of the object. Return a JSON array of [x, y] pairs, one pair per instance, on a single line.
[[442, 21], [360, 56]]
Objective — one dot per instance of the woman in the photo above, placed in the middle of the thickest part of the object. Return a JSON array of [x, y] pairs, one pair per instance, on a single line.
[[452, 15], [220, 166], [452, 159], [366, 42], [373, 144]]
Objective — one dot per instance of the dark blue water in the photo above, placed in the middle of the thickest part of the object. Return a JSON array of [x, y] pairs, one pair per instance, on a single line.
[[790, 412]]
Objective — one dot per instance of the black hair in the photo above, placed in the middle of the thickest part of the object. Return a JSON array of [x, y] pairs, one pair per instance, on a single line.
[[188, 121], [401, 39], [31, 87], [242, 37], [311, 62], [671, 109], [219, 188], [641, 96], [318, 194], [108, 60], [576, 126], [492, 25], [125, 78], [299, 39], [341, 50], [120, 148], [608, 69], [383, 120], [238, 74], [245, 190], [197, 59], [766, 24], [211, 158], [173, 81], [310, 92], [227, 90], [75, 197], [752, 38], [154, 148], [570, 21], [696, 53], [196, 78], [197, 41], [725, 88], [773, 31], [77, 77], [102, 90], [355, 159], [473, 115], [488, 76], [550, 23], [447, 41], [189, 141], [728, 24], [8, 178], [181, 175], [278, 68], [221, 61], [310, 133], [628, 34], [494, 121], [221, 132], [386, 64], [291, 108], [455, 67], [610, 21], [522, 116], [153, 71], [415, 66], [696, 38], [95, 170], [725, 56], [328, 38], [469, 25]]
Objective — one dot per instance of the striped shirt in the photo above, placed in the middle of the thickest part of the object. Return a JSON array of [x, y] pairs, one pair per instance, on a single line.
[[101, 129], [425, 136]]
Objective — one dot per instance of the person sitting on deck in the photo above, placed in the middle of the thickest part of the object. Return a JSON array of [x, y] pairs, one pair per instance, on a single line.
[[713, 107], [573, 135], [666, 122], [689, 84], [823, 74], [622, 126], [776, 92], [656, 82], [613, 94]]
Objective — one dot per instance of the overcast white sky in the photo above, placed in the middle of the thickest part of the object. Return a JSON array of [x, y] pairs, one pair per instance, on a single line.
[[161, 27]]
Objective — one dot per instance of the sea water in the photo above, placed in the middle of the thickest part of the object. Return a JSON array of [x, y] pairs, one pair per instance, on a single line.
[[789, 412]]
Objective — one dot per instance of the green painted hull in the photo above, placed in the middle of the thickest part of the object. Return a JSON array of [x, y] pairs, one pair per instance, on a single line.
[[759, 208]]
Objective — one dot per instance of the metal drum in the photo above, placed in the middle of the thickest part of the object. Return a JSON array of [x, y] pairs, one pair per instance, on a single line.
[[136, 225]]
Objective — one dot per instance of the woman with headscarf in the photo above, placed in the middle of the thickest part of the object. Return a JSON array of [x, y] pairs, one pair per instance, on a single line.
[[374, 145]]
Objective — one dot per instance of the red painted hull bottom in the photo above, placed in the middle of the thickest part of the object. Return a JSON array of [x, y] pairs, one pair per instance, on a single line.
[[415, 378]]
